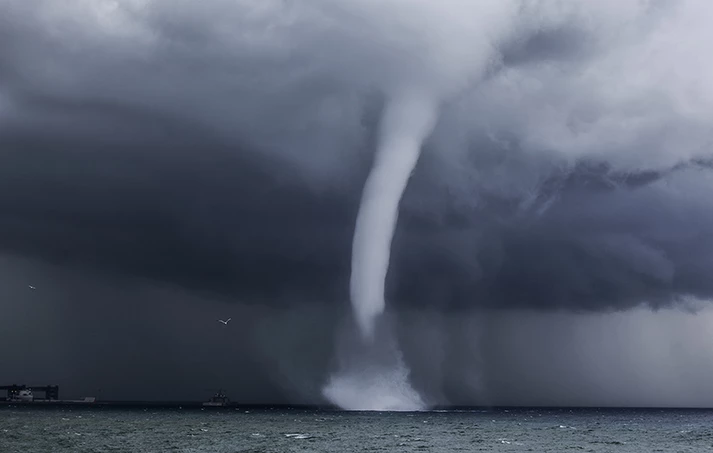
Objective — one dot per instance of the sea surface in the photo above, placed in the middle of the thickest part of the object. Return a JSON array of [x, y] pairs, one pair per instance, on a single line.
[[58, 430]]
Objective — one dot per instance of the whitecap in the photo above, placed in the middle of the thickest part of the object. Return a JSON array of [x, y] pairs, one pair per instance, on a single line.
[[298, 436]]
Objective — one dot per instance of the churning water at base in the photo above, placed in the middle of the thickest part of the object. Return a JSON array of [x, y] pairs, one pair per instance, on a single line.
[[238, 430], [371, 374], [374, 389]]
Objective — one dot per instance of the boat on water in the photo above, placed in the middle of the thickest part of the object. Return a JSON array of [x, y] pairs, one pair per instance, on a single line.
[[217, 400]]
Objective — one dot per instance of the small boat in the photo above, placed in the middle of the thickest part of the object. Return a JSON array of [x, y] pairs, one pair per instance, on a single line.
[[217, 400]]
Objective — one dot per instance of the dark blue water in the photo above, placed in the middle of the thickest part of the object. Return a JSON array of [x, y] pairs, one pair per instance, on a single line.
[[57, 430]]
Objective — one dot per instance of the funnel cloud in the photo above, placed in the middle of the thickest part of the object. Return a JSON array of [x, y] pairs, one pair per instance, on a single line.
[[505, 196], [406, 124]]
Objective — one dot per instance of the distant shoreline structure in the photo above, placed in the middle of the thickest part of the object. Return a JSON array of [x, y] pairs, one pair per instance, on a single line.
[[199, 405], [220, 401], [160, 405]]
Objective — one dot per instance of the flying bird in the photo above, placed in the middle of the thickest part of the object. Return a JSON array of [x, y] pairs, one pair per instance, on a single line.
[[225, 322]]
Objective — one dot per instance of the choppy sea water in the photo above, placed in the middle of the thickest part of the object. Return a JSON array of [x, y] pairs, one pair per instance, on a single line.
[[30, 430]]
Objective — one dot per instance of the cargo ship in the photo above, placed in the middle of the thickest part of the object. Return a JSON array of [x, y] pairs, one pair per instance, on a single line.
[[217, 400]]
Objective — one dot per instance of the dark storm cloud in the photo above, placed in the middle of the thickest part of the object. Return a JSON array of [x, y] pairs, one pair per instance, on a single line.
[[219, 224], [164, 156], [123, 149], [594, 241], [202, 223]]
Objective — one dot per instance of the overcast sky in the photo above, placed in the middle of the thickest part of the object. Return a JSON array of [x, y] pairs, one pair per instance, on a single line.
[[165, 163]]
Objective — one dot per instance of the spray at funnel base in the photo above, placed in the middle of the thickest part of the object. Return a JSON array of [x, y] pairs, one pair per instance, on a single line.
[[374, 389], [371, 376], [407, 121]]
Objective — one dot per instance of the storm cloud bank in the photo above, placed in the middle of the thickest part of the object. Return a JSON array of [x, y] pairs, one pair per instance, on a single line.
[[221, 147], [574, 155]]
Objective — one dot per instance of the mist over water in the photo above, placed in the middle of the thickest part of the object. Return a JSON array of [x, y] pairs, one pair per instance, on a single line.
[[371, 375]]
